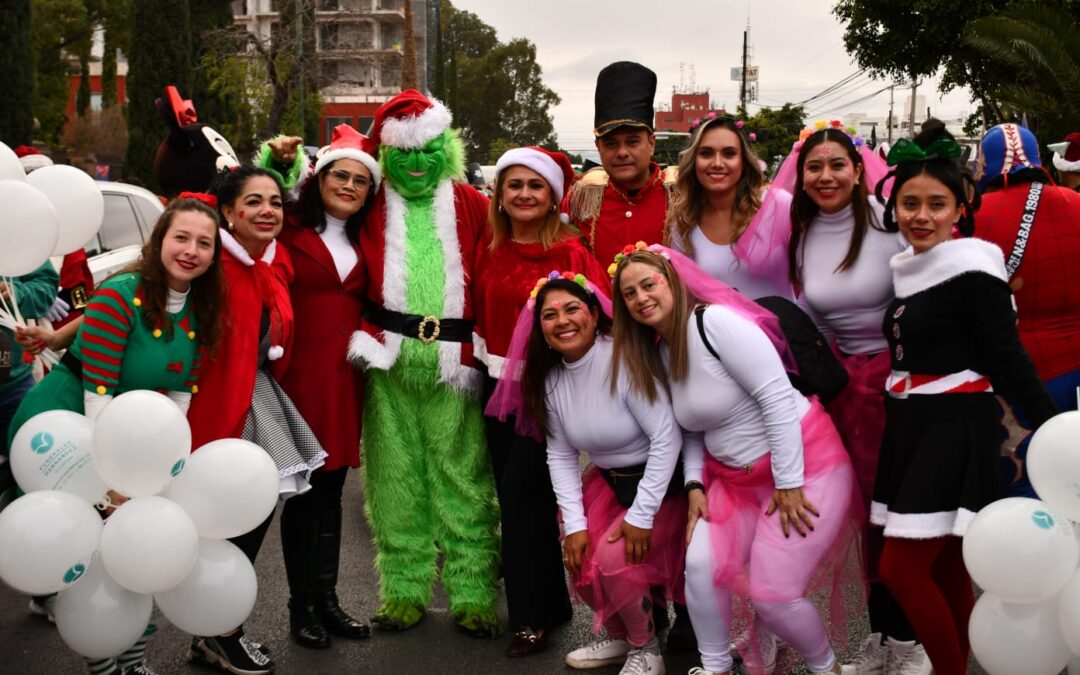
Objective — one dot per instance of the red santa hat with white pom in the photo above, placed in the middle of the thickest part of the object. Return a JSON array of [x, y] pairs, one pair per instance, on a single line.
[[348, 143], [1067, 153], [553, 167], [409, 120]]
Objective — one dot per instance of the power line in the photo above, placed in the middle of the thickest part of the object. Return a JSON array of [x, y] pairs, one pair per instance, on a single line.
[[833, 87], [848, 104]]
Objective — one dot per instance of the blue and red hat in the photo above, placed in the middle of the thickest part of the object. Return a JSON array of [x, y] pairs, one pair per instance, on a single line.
[[1004, 150]]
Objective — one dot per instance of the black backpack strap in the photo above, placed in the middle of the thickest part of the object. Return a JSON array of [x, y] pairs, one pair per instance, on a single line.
[[699, 312]]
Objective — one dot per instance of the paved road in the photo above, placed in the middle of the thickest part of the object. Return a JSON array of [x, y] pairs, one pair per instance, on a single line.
[[30, 646]]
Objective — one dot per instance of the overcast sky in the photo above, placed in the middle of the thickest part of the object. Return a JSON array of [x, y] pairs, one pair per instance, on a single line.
[[797, 45]]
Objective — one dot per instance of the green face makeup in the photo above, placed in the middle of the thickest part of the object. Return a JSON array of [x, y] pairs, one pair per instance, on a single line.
[[415, 173]]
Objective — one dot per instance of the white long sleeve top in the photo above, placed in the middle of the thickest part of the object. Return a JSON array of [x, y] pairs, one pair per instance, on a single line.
[[849, 305], [741, 406], [721, 263], [337, 242], [616, 431]]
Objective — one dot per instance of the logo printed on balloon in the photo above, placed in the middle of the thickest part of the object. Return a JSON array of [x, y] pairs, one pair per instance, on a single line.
[[1043, 519], [74, 573], [42, 442], [177, 468]]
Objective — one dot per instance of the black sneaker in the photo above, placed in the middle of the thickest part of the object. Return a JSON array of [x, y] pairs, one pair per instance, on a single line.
[[233, 654], [138, 669]]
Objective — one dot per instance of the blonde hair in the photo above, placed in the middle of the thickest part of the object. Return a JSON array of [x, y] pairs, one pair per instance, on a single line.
[[634, 344], [552, 231], [686, 209]]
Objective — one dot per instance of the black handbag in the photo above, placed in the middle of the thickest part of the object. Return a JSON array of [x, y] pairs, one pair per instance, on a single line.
[[624, 482]]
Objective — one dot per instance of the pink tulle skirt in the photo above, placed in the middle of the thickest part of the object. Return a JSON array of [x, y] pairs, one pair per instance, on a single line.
[[859, 415], [607, 583], [751, 557]]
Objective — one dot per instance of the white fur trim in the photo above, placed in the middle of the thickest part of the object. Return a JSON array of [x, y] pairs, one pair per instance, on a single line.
[[233, 247], [301, 180], [354, 154], [365, 351], [455, 374], [1062, 164], [394, 272], [413, 132], [921, 525], [914, 273], [275, 352], [446, 229], [493, 362], [538, 162]]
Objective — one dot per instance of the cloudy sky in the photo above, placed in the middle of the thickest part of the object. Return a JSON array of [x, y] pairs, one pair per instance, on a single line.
[[797, 45]]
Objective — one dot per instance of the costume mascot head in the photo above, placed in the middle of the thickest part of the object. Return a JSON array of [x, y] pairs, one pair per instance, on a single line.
[[193, 153]]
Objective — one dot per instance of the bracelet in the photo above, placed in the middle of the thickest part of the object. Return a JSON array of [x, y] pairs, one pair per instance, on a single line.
[[693, 485]]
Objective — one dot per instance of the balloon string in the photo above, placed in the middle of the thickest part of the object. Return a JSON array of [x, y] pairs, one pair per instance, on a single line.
[[15, 301]]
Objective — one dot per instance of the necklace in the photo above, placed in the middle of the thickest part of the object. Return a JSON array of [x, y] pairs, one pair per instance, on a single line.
[[524, 241]]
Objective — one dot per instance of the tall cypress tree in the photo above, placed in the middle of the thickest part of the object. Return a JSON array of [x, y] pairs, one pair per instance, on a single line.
[[17, 65], [208, 17], [160, 55]]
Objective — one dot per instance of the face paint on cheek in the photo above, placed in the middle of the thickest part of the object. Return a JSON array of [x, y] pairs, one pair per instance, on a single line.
[[659, 278], [241, 213]]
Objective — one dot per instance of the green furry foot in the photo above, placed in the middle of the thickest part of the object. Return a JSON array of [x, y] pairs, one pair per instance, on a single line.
[[397, 616], [481, 623]]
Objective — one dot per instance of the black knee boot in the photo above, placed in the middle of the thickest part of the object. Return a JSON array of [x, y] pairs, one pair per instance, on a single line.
[[299, 541], [333, 617]]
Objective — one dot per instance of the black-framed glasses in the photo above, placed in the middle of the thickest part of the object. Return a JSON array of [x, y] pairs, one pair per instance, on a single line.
[[344, 177]]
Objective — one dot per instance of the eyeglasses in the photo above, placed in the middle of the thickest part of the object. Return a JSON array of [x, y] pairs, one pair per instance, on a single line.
[[344, 177]]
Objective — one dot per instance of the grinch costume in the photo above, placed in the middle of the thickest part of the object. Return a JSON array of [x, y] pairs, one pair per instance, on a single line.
[[427, 476]]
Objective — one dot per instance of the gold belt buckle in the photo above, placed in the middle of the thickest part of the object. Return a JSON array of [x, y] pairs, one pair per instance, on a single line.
[[423, 329]]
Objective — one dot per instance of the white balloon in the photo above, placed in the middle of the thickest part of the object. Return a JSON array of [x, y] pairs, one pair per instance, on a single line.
[[217, 596], [228, 487], [1069, 613], [141, 441], [99, 618], [78, 203], [1020, 550], [1053, 463], [1010, 638], [47, 540], [10, 166], [149, 544], [52, 451], [28, 228]]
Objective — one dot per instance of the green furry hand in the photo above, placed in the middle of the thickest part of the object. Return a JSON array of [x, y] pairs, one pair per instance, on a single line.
[[483, 623], [397, 615]]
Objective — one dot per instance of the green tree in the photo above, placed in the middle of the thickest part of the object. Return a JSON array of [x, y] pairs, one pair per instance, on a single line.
[[776, 129], [160, 55], [117, 26], [57, 25], [17, 64], [209, 16]]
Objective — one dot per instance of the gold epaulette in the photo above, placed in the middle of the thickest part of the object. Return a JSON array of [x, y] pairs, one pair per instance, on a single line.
[[587, 196], [671, 187]]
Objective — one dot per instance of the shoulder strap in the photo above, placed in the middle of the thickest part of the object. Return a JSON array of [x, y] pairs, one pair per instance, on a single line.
[[1031, 205], [699, 313]]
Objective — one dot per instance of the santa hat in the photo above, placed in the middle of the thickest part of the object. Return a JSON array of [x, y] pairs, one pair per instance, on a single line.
[[554, 167], [31, 158], [1067, 153], [348, 143], [409, 120], [1004, 150]]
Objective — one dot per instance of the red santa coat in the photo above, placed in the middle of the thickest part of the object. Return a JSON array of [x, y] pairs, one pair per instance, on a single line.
[[503, 279], [76, 285], [326, 389], [1047, 283], [227, 379], [460, 218]]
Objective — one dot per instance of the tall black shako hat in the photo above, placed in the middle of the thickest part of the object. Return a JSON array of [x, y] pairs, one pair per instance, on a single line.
[[624, 97]]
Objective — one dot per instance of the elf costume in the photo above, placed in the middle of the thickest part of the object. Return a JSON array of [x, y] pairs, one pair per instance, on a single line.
[[428, 481]]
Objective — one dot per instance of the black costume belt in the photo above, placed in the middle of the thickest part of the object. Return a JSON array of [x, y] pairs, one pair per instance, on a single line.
[[73, 363], [624, 482], [427, 329]]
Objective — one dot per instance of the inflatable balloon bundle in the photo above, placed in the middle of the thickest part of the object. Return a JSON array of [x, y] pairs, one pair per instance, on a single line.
[[53, 211], [1024, 554], [165, 545]]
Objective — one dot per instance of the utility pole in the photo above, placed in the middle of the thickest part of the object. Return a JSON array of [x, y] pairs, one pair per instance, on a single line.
[[742, 87], [911, 119], [891, 88]]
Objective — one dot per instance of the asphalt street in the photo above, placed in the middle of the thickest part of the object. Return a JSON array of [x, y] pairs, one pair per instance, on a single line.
[[29, 645]]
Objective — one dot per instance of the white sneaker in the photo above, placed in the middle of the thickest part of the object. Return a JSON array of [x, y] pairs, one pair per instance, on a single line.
[[44, 608], [643, 662], [766, 662], [698, 670], [870, 660], [906, 658], [599, 654]]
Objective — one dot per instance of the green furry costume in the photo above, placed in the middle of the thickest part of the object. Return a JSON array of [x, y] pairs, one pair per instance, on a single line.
[[428, 482]]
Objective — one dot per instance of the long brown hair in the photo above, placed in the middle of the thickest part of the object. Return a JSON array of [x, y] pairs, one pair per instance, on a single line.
[[635, 345], [689, 203], [541, 359], [804, 209], [552, 231], [207, 290]]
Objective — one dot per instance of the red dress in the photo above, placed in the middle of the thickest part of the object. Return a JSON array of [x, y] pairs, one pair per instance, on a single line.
[[501, 283], [326, 388]]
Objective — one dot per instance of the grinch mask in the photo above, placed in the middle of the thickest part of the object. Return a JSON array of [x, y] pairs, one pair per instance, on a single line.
[[415, 173]]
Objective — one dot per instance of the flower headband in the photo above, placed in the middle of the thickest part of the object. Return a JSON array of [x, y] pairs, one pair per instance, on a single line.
[[712, 116], [907, 150], [209, 200], [577, 278], [836, 125], [633, 248]]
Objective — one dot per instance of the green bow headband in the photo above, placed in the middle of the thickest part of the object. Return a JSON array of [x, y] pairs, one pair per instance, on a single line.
[[909, 151]]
